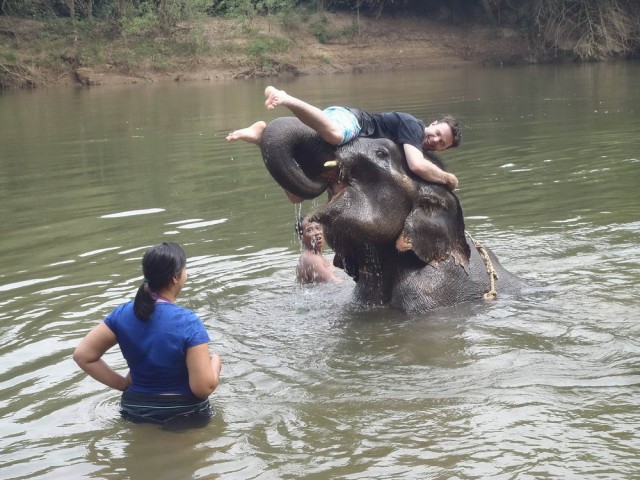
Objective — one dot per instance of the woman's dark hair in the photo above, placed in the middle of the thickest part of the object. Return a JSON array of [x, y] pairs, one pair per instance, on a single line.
[[159, 265]]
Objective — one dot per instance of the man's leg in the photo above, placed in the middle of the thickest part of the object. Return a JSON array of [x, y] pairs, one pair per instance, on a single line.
[[251, 134], [308, 114]]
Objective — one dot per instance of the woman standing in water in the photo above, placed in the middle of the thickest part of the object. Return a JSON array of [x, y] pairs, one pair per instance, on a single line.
[[171, 372]]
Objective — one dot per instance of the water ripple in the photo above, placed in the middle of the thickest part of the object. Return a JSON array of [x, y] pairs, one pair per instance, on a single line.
[[537, 386]]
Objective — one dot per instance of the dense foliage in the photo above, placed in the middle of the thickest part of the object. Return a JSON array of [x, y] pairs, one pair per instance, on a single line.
[[169, 34], [592, 29]]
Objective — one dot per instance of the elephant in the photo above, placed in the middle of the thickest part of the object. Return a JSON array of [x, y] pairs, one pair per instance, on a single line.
[[402, 239]]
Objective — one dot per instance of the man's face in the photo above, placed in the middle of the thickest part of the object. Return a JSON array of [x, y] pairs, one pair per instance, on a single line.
[[437, 137], [312, 235]]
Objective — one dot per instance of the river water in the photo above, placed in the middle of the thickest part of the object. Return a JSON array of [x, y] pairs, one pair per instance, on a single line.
[[541, 387]]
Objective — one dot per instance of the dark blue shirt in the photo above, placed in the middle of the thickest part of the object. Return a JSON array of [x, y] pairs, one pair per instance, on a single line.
[[156, 349], [398, 127]]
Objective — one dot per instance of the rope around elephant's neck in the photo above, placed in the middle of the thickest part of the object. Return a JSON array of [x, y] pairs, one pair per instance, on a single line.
[[492, 294]]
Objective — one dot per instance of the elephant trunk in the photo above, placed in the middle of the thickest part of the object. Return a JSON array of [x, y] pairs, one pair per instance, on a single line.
[[294, 155]]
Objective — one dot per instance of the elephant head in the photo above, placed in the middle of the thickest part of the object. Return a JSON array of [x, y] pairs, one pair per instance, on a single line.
[[401, 238]]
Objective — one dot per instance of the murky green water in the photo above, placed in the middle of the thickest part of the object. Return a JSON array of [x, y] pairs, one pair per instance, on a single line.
[[541, 387]]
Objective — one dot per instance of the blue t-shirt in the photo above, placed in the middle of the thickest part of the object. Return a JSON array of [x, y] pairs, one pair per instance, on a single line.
[[156, 349]]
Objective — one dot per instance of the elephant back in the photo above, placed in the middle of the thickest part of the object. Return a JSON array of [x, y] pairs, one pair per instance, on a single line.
[[294, 155]]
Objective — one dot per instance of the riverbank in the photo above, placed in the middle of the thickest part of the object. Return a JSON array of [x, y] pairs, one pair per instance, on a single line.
[[220, 49]]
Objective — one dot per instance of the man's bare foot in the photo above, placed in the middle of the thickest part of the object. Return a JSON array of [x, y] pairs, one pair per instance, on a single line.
[[275, 97], [251, 134]]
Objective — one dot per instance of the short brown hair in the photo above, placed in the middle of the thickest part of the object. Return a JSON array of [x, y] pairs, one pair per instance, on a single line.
[[456, 131]]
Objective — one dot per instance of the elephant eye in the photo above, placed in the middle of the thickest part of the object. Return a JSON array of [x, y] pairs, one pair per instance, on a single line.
[[382, 153], [432, 201]]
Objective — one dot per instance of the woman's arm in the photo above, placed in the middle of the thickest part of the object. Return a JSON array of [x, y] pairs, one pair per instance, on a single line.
[[88, 356], [204, 370]]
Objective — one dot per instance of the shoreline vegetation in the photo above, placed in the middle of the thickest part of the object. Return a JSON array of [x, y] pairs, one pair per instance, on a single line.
[[99, 42]]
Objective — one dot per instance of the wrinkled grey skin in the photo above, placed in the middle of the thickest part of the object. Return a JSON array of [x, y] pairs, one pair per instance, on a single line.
[[402, 239]]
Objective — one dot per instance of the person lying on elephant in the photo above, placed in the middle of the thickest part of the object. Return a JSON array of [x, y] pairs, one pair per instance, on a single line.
[[312, 266], [339, 125]]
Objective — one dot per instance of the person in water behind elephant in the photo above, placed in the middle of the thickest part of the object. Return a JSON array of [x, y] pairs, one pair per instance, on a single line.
[[166, 348], [312, 266], [339, 125]]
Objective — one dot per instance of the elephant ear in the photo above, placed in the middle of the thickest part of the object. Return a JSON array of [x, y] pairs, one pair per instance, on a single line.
[[434, 230], [294, 155]]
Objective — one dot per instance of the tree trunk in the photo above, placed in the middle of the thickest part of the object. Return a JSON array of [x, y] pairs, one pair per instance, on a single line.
[[486, 6]]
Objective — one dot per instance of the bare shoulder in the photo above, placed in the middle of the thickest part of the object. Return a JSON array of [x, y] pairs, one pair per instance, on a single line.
[[313, 268]]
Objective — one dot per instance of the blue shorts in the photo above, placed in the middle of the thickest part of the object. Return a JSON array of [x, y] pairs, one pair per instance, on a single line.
[[346, 120]]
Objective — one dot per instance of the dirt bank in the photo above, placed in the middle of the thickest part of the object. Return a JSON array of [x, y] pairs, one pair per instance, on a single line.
[[392, 44], [340, 44]]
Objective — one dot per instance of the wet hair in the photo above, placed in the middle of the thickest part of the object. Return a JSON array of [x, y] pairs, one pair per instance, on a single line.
[[456, 131], [159, 265], [298, 226]]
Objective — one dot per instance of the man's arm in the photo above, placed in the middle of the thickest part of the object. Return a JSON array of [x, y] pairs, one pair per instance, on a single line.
[[428, 170]]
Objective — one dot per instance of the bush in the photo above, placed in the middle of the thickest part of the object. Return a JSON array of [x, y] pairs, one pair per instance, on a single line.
[[325, 34], [591, 29], [142, 25], [262, 49]]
